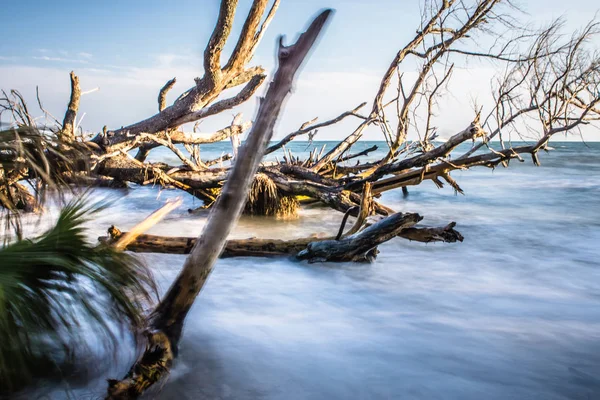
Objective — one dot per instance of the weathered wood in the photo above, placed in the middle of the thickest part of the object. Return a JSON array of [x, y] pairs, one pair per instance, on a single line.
[[88, 180], [256, 247], [195, 103], [67, 133], [162, 94], [359, 154], [342, 146], [334, 197], [309, 127], [361, 246], [168, 317], [474, 130], [416, 176], [366, 205], [252, 247], [445, 234], [146, 224]]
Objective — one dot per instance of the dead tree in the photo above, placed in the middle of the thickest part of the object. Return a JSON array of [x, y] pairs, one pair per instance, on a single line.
[[547, 84], [166, 322], [557, 76]]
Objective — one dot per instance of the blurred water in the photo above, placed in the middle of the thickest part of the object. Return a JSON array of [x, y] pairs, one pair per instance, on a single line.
[[513, 312]]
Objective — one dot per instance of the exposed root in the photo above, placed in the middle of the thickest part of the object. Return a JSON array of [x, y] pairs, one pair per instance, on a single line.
[[151, 367], [288, 207], [18, 198], [264, 199]]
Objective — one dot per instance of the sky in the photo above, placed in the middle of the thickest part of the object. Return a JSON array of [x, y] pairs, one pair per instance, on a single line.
[[129, 49]]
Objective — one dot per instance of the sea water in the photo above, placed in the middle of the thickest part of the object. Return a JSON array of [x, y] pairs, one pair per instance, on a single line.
[[513, 312]]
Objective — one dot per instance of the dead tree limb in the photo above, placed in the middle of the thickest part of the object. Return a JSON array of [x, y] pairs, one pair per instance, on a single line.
[[366, 204], [256, 247], [359, 154], [195, 103], [309, 127], [181, 137], [166, 322], [212, 53], [341, 147], [146, 224], [361, 246], [67, 133], [244, 95], [162, 95], [472, 132]]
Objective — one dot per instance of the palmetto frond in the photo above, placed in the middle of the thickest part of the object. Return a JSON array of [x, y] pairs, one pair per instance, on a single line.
[[50, 283]]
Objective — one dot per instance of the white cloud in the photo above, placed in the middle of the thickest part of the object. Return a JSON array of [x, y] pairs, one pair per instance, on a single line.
[[60, 59], [170, 60], [63, 56], [98, 70]]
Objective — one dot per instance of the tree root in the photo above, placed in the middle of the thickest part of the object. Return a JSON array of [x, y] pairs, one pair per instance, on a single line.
[[265, 199], [153, 366]]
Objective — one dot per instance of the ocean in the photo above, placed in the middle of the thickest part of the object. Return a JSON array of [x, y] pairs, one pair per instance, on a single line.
[[513, 312]]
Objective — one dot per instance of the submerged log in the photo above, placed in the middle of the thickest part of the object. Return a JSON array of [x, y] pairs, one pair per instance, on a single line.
[[252, 247], [255, 247], [426, 235], [361, 246]]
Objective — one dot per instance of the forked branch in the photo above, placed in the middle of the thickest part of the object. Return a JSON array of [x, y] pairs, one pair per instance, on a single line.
[[166, 322]]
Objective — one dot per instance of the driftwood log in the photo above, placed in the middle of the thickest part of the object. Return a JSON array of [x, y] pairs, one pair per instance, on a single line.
[[255, 247], [165, 324]]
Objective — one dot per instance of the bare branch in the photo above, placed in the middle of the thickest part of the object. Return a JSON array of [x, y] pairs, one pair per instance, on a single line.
[[243, 49], [212, 53], [67, 133], [245, 76], [167, 319], [201, 138], [162, 95], [307, 127], [222, 105], [473, 131]]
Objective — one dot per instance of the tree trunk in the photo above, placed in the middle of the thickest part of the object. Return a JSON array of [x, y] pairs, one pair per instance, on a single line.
[[255, 247], [166, 322]]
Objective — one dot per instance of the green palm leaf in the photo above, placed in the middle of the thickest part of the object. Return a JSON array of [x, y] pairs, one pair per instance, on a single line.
[[50, 283]]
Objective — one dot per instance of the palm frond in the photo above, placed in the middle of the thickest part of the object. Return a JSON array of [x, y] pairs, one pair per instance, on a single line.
[[51, 283]]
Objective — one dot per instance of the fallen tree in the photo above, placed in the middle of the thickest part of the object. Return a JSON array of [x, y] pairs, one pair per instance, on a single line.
[[547, 85], [353, 247], [257, 247], [165, 323]]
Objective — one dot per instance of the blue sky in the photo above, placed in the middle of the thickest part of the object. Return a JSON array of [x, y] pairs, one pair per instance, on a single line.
[[130, 48]]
